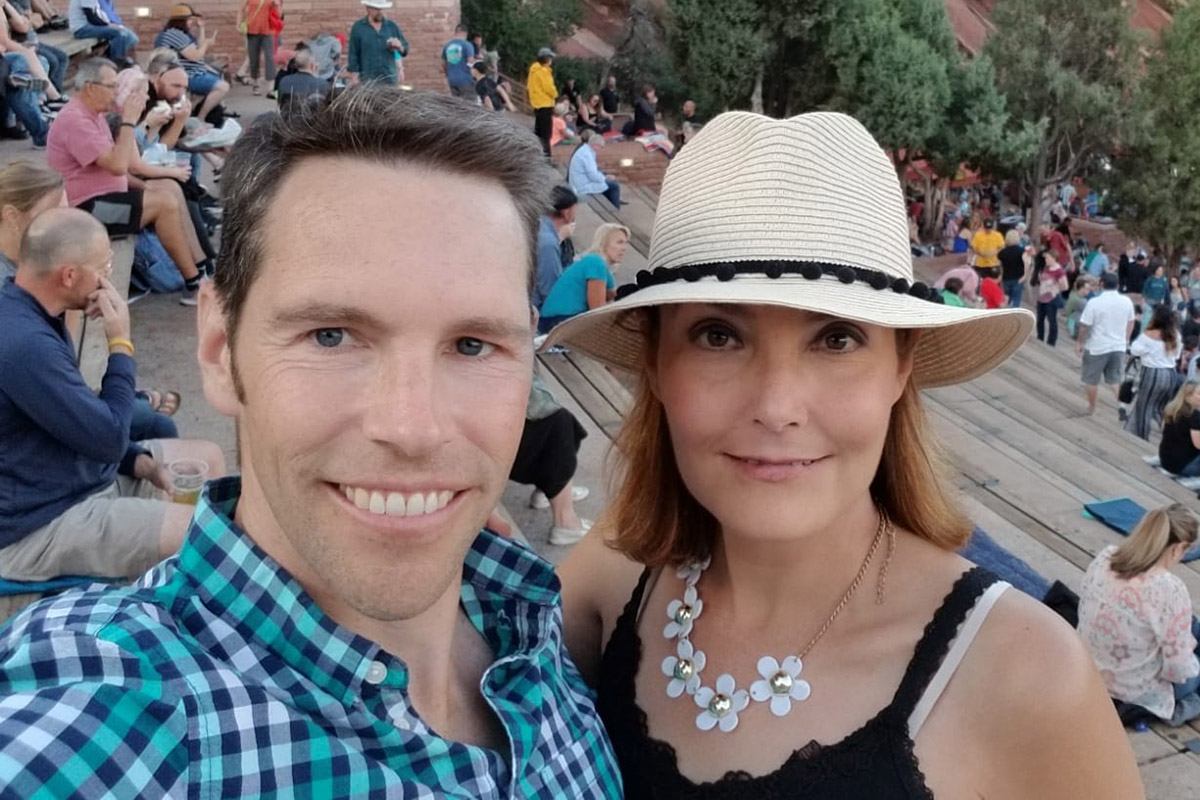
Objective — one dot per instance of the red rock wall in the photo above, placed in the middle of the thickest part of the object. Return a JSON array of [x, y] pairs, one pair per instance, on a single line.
[[427, 24]]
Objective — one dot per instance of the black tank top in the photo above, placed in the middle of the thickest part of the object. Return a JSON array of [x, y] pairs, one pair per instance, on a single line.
[[876, 761]]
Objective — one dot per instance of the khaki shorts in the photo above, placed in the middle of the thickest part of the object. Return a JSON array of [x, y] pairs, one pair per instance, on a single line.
[[113, 533], [1110, 366]]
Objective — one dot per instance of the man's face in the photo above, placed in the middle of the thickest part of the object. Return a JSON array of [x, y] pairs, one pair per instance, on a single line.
[[171, 85], [375, 14], [92, 264], [611, 82], [102, 92], [384, 379], [689, 108]]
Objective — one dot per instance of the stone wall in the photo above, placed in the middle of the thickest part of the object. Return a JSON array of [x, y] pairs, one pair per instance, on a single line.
[[427, 24]]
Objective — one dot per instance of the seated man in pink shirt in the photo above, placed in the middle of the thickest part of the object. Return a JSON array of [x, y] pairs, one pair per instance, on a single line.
[[95, 168], [970, 281]]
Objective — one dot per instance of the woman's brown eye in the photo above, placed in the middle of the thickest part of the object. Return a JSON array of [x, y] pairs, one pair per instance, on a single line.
[[716, 338]]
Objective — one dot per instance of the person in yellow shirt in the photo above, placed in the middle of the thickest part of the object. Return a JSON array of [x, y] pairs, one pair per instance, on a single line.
[[542, 94], [986, 245]]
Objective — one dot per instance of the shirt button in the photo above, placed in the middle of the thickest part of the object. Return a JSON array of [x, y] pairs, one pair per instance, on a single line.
[[376, 673]]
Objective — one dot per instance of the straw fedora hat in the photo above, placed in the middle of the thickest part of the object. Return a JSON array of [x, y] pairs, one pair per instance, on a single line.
[[805, 213]]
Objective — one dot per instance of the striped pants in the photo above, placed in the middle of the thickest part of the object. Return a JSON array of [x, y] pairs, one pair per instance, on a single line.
[[1155, 389]]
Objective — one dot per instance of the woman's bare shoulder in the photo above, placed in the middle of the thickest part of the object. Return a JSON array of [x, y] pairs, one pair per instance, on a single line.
[[597, 581], [1042, 710]]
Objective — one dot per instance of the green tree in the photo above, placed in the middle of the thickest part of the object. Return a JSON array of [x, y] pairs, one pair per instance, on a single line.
[[718, 48], [1065, 68], [519, 28], [1156, 173]]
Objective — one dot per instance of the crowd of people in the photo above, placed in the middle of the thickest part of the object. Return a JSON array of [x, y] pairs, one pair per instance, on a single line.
[[346, 596]]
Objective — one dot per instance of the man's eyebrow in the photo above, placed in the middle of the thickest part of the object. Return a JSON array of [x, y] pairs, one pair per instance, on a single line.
[[495, 328], [331, 314]]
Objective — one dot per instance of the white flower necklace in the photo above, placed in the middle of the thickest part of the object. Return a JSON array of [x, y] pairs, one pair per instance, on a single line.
[[779, 683]]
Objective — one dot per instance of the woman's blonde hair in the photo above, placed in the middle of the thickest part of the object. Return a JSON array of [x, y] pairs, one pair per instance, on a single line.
[[602, 237], [1159, 530], [1180, 407], [1012, 237], [24, 183], [658, 522]]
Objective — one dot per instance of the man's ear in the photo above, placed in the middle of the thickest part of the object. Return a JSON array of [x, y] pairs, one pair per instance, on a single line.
[[215, 353]]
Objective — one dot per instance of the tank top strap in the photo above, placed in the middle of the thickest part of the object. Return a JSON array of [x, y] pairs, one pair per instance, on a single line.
[[627, 622], [939, 634]]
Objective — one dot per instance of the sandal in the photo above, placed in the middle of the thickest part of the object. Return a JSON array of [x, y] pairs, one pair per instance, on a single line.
[[167, 402]]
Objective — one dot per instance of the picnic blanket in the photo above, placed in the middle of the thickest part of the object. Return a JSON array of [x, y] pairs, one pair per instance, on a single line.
[[1123, 515], [983, 550], [1187, 483]]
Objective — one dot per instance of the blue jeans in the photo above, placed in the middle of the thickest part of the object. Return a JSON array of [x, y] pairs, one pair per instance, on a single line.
[[119, 39], [23, 103], [613, 192], [1013, 290], [149, 424], [56, 63]]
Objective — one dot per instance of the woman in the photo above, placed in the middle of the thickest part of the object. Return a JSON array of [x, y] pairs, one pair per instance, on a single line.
[[1014, 267], [589, 282], [184, 33], [254, 20], [592, 115], [779, 490], [1179, 450], [26, 190], [1176, 293], [1136, 617], [1158, 350], [1051, 282]]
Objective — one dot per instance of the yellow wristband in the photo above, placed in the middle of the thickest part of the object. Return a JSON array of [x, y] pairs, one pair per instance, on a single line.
[[114, 343]]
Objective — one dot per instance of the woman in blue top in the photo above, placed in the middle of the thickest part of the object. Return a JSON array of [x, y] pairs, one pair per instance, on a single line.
[[589, 282]]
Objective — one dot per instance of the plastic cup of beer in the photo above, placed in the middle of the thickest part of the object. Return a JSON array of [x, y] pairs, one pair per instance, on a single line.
[[187, 479]]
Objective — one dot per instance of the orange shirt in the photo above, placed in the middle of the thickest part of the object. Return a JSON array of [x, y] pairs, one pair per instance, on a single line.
[[257, 15]]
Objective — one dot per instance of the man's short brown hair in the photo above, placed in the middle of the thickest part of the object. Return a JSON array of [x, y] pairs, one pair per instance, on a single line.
[[375, 123]]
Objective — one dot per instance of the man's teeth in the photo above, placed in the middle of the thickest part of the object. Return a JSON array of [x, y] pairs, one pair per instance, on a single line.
[[398, 504]]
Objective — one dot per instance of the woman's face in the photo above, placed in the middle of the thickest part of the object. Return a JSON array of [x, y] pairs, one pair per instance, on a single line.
[[778, 417], [1194, 398], [614, 251]]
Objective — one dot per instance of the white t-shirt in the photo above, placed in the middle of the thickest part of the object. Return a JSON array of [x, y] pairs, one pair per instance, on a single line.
[[1107, 316], [1153, 353]]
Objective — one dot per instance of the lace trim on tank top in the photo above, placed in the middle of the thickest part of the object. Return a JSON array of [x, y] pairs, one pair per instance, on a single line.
[[651, 768]]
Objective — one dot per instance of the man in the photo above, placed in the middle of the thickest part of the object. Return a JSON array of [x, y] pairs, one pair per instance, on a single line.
[[96, 169], [377, 46], [87, 21], [184, 33], [985, 246], [1104, 329], [81, 499], [168, 84], [690, 123], [336, 623], [609, 98], [457, 56], [541, 93], [583, 171], [555, 228], [303, 85], [1135, 277], [485, 87]]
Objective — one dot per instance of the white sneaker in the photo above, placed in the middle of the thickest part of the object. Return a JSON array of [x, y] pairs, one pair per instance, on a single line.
[[564, 537], [539, 500]]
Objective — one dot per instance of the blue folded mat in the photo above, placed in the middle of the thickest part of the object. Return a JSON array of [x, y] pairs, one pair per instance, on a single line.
[[983, 550], [9, 588], [1123, 515]]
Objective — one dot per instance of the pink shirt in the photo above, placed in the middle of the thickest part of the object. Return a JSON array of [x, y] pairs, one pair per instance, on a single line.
[[77, 138], [967, 275], [1139, 632]]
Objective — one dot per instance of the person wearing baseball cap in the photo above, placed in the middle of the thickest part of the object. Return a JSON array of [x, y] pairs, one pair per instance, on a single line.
[[778, 564], [376, 46]]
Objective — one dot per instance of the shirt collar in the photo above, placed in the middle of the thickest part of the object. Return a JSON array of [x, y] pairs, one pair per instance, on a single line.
[[510, 595], [9, 288]]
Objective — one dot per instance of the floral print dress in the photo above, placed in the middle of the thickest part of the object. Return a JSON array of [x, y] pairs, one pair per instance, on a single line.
[[1139, 632]]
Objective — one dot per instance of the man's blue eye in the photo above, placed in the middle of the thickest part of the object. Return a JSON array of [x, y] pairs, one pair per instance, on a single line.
[[329, 337]]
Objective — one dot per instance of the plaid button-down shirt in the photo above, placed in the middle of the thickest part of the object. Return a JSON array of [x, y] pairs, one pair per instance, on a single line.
[[216, 675]]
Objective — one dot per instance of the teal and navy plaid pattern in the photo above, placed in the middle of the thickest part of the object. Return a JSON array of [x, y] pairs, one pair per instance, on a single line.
[[216, 675]]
